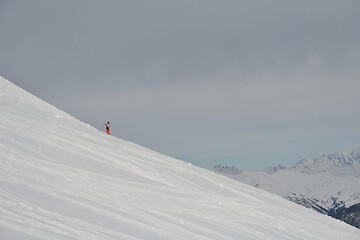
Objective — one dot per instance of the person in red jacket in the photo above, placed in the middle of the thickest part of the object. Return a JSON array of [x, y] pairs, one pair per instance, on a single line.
[[107, 125]]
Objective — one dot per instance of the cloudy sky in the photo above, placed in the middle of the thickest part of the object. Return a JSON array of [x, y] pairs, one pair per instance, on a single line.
[[245, 83]]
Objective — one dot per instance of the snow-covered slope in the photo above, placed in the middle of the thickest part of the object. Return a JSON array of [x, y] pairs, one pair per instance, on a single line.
[[63, 179]]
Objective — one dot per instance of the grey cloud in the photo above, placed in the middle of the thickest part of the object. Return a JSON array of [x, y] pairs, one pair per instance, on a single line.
[[215, 74]]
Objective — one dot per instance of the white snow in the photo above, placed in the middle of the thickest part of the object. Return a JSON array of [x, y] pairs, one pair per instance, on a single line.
[[63, 179]]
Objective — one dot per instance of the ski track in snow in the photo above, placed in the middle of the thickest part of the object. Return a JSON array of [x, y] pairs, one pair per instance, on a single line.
[[62, 179]]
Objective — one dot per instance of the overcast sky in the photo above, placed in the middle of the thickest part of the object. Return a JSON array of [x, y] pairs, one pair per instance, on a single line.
[[245, 83]]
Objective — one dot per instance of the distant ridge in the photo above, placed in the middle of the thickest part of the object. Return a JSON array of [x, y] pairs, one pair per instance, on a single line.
[[340, 164]]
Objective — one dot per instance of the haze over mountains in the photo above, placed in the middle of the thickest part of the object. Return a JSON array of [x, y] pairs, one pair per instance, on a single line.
[[328, 184]]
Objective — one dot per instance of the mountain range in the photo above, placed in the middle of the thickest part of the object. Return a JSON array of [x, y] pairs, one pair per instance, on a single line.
[[329, 184]]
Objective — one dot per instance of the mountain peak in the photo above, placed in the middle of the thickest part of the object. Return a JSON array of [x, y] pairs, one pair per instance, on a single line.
[[339, 164], [226, 169]]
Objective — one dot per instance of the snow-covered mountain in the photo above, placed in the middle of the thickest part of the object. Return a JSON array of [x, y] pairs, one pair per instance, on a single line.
[[62, 179], [339, 164], [328, 184]]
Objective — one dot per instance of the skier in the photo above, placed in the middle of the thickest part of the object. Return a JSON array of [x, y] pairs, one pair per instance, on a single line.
[[107, 125]]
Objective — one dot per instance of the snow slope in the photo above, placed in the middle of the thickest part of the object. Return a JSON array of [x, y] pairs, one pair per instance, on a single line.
[[63, 179]]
